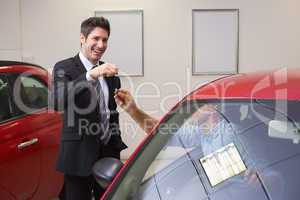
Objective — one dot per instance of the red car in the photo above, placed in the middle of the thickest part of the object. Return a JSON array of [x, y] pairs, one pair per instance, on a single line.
[[234, 138], [29, 134]]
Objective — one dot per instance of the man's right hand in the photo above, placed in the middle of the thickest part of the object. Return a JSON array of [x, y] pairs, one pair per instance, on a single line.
[[125, 100], [104, 70]]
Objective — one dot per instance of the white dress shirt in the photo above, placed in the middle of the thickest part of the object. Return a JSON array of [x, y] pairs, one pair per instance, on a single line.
[[88, 66]]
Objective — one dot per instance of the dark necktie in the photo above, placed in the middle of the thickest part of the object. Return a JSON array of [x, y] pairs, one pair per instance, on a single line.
[[104, 115]]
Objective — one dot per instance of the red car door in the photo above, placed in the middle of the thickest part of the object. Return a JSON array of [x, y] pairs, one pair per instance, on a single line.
[[20, 158], [44, 127], [29, 140], [19, 149]]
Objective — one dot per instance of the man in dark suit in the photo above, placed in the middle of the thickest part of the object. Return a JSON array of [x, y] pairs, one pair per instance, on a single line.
[[83, 89]]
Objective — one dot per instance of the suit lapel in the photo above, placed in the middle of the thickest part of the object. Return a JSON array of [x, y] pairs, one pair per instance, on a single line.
[[79, 67], [109, 85]]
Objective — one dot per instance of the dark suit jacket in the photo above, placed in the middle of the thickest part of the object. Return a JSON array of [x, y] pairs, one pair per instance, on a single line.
[[72, 94]]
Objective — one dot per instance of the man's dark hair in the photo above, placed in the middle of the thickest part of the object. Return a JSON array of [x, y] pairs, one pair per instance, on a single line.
[[88, 25]]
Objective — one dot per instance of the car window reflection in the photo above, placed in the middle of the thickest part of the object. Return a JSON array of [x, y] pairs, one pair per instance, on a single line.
[[5, 108]]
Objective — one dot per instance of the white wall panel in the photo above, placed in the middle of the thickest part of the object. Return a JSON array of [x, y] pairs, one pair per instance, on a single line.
[[10, 25]]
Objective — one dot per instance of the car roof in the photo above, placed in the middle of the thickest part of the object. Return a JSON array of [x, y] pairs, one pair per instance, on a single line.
[[20, 67], [6, 63], [281, 84]]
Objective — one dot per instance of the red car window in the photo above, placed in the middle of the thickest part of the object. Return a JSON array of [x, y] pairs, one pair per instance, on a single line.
[[30, 93]]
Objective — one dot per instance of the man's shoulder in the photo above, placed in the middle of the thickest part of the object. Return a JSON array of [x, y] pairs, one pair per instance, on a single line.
[[65, 63]]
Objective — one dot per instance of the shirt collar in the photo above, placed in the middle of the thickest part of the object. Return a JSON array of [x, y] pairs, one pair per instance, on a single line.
[[86, 63]]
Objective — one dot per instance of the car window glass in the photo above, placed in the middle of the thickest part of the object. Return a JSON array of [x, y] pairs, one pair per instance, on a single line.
[[5, 108], [291, 108], [204, 132], [33, 94], [173, 161]]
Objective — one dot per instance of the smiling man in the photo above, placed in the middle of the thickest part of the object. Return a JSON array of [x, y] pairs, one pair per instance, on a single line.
[[83, 89]]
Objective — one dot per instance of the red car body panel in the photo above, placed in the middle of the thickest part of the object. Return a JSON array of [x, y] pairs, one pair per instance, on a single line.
[[40, 72], [282, 84], [30, 173]]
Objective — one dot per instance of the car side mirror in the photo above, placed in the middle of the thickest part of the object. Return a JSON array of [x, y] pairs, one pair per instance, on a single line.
[[105, 169], [284, 130]]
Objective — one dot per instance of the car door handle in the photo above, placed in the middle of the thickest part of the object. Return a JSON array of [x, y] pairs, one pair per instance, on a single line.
[[27, 143]]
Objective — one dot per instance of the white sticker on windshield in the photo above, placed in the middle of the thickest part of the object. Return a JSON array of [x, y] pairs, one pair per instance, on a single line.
[[222, 164]]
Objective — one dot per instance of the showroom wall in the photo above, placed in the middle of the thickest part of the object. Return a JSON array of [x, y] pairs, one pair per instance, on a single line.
[[10, 31], [49, 29]]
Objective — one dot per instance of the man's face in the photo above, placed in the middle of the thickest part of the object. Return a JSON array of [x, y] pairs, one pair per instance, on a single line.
[[94, 45]]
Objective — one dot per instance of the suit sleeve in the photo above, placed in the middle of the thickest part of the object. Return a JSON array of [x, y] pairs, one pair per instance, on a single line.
[[118, 83], [64, 88]]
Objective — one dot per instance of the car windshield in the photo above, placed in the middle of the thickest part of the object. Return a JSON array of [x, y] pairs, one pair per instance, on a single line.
[[203, 145]]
